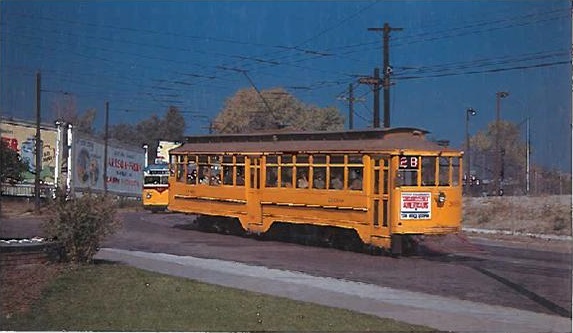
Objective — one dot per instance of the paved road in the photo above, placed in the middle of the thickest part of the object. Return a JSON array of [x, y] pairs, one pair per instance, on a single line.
[[546, 274], [515, 287]]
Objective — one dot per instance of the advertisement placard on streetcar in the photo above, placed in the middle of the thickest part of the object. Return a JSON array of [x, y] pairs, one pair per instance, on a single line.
[[415, 206]]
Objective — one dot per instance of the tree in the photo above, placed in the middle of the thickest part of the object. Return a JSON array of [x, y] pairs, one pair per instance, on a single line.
[[511, 148], [247, 111], [172, 126], [11, 165], [64, 109], [151, 130]]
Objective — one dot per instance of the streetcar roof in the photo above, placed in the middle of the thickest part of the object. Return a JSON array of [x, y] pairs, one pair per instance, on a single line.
[[161, 166], [402, 138]]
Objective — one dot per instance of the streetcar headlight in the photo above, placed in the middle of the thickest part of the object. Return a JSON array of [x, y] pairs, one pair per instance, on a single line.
[[441, 198], [148, 195]]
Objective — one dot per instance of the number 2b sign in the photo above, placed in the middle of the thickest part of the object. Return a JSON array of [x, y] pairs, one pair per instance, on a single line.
[[408, 162], [415, 206]]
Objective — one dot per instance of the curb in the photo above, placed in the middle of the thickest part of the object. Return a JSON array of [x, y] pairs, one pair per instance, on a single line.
[[516, 233]]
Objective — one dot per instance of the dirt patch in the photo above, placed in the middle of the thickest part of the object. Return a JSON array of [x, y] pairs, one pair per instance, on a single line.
[[22, 285], [20, 207], [548, 215]]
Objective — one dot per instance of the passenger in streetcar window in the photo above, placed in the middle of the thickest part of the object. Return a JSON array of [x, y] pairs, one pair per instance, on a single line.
[[318, 181], [302, 181], [355, 180], [336, 179], [205, 176], [240, 179]]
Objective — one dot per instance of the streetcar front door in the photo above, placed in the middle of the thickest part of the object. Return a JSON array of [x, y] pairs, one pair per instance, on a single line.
[[380, 201], [253, 193]]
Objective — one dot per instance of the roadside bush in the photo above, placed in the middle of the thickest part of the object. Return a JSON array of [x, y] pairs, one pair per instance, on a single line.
[[80, 225]]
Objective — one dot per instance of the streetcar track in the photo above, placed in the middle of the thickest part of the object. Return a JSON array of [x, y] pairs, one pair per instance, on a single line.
[[473, 262], [549, 305]]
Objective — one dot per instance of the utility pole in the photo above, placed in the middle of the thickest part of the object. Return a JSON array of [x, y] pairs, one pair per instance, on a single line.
[[351, 99], [386, 67], [498, 170], [38, 145], [106, 139], [350, 107], [376, 83]]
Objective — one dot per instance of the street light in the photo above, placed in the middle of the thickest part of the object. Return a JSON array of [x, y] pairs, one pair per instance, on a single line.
[[469, 112], [498, 167]]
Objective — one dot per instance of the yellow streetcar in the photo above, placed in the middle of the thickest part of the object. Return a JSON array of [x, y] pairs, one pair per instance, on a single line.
[[386, 185], [155, 196]]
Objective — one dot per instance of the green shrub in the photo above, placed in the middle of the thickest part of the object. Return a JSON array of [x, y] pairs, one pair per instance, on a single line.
[[80, 225]]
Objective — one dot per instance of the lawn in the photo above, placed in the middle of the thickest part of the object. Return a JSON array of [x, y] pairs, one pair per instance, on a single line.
[[113, 297]]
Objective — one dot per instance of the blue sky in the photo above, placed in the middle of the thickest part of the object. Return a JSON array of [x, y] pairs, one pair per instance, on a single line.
[[143, 56]]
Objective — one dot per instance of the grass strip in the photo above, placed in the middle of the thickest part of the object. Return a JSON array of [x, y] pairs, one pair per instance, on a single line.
[[113, 297]]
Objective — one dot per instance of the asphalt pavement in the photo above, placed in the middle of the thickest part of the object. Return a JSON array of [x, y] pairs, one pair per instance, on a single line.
[[442, 313]]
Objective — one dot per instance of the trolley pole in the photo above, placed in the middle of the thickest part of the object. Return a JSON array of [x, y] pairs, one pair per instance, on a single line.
[[38, 145], [386, 67]]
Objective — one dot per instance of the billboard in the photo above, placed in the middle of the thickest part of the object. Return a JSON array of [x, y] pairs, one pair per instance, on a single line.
[[124, 167], [21, 137], [163, 151]]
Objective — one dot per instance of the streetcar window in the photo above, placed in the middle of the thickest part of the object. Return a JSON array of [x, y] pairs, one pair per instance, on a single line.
[[455, 171], [180, 168], [228, 170], [152, 180], [172, 166], [444, 171], [355, 172], [272, 171], [337, 159], [407, 178], [240, 175], [428, 171], [319, 159], [192, 172], [407, 174], [302, 176], [355, 178], [286, 159], [319, 171], [240, 170], [286, 166], [336, 168], [286, 176], [319, 177], [336, 178], [215, 166], [272, 176]]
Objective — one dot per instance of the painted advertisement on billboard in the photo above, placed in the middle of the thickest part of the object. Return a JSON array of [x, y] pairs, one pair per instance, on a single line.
[[124, 167], [21, 137], [87, 164]]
